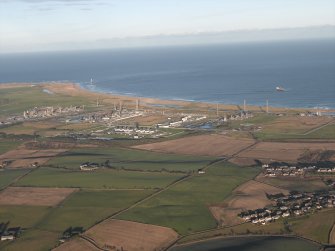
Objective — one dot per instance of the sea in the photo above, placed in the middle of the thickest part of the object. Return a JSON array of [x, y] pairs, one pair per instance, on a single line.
[[217, 73]]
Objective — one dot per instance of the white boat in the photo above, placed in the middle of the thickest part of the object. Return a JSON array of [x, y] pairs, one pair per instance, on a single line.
[[91, 82], [280, 89]]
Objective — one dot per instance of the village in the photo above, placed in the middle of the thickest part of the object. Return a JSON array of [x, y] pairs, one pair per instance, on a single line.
[[294, 204], [284, 169]]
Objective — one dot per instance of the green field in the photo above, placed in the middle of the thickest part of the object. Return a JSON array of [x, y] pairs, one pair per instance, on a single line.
[[23, 216], [112, 179], [7, 145], [130, 159], [82, 209], [327, 132], [88, 207], [302, 185], [316, 226], [32, 240], [8, 176], [183, 207]]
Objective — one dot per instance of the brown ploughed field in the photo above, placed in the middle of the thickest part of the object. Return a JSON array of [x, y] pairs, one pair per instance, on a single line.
[[34, 196], [248, 196], [204, 145], [131, 236]]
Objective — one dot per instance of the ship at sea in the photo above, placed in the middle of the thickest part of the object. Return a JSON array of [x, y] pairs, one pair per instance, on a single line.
[[280, 89]]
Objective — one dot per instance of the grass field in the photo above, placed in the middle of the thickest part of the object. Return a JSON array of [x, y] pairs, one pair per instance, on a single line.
[[131, 159], [46, 224], [33, 240], [7, 145], [23, 216], [316, 226], [184, 207], [53, 177], [8, 176], [302, 185], [87, 207], [297, 131]]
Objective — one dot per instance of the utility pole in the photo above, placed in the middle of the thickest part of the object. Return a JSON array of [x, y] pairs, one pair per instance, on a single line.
[[267, 106], [120, 107], [137, 104], [244, 105]]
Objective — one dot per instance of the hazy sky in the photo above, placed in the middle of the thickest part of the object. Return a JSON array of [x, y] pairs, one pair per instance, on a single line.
[[28, 25]]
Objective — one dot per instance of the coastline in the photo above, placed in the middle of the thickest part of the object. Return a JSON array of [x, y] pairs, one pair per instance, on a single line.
[[76, 89]]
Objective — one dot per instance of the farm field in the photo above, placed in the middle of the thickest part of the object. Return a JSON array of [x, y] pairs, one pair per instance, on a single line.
[[332, 235], [24, 216], [81, 209], [289, 127], [202, 145], [130, 159], [31, 128], [278, 151], [316, 226], [33, 240], [34, 196], [295, 184], [88, 207], [248, 196], [105, 179], [23, 158], [8, 176], [184, 207], [7, 145], [132, 236]]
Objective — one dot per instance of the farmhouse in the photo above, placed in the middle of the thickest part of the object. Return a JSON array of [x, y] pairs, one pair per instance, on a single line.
[[87, 166], [8, 233]]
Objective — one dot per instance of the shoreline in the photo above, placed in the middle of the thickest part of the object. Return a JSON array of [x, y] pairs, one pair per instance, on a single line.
[[77, 89]]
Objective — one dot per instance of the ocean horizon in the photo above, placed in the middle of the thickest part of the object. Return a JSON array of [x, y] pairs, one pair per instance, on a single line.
[[226, 73]]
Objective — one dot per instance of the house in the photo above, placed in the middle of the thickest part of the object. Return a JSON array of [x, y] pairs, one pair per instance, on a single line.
[[7, 237]]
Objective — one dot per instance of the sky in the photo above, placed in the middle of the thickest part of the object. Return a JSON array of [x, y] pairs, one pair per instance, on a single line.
[[39, 25]]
